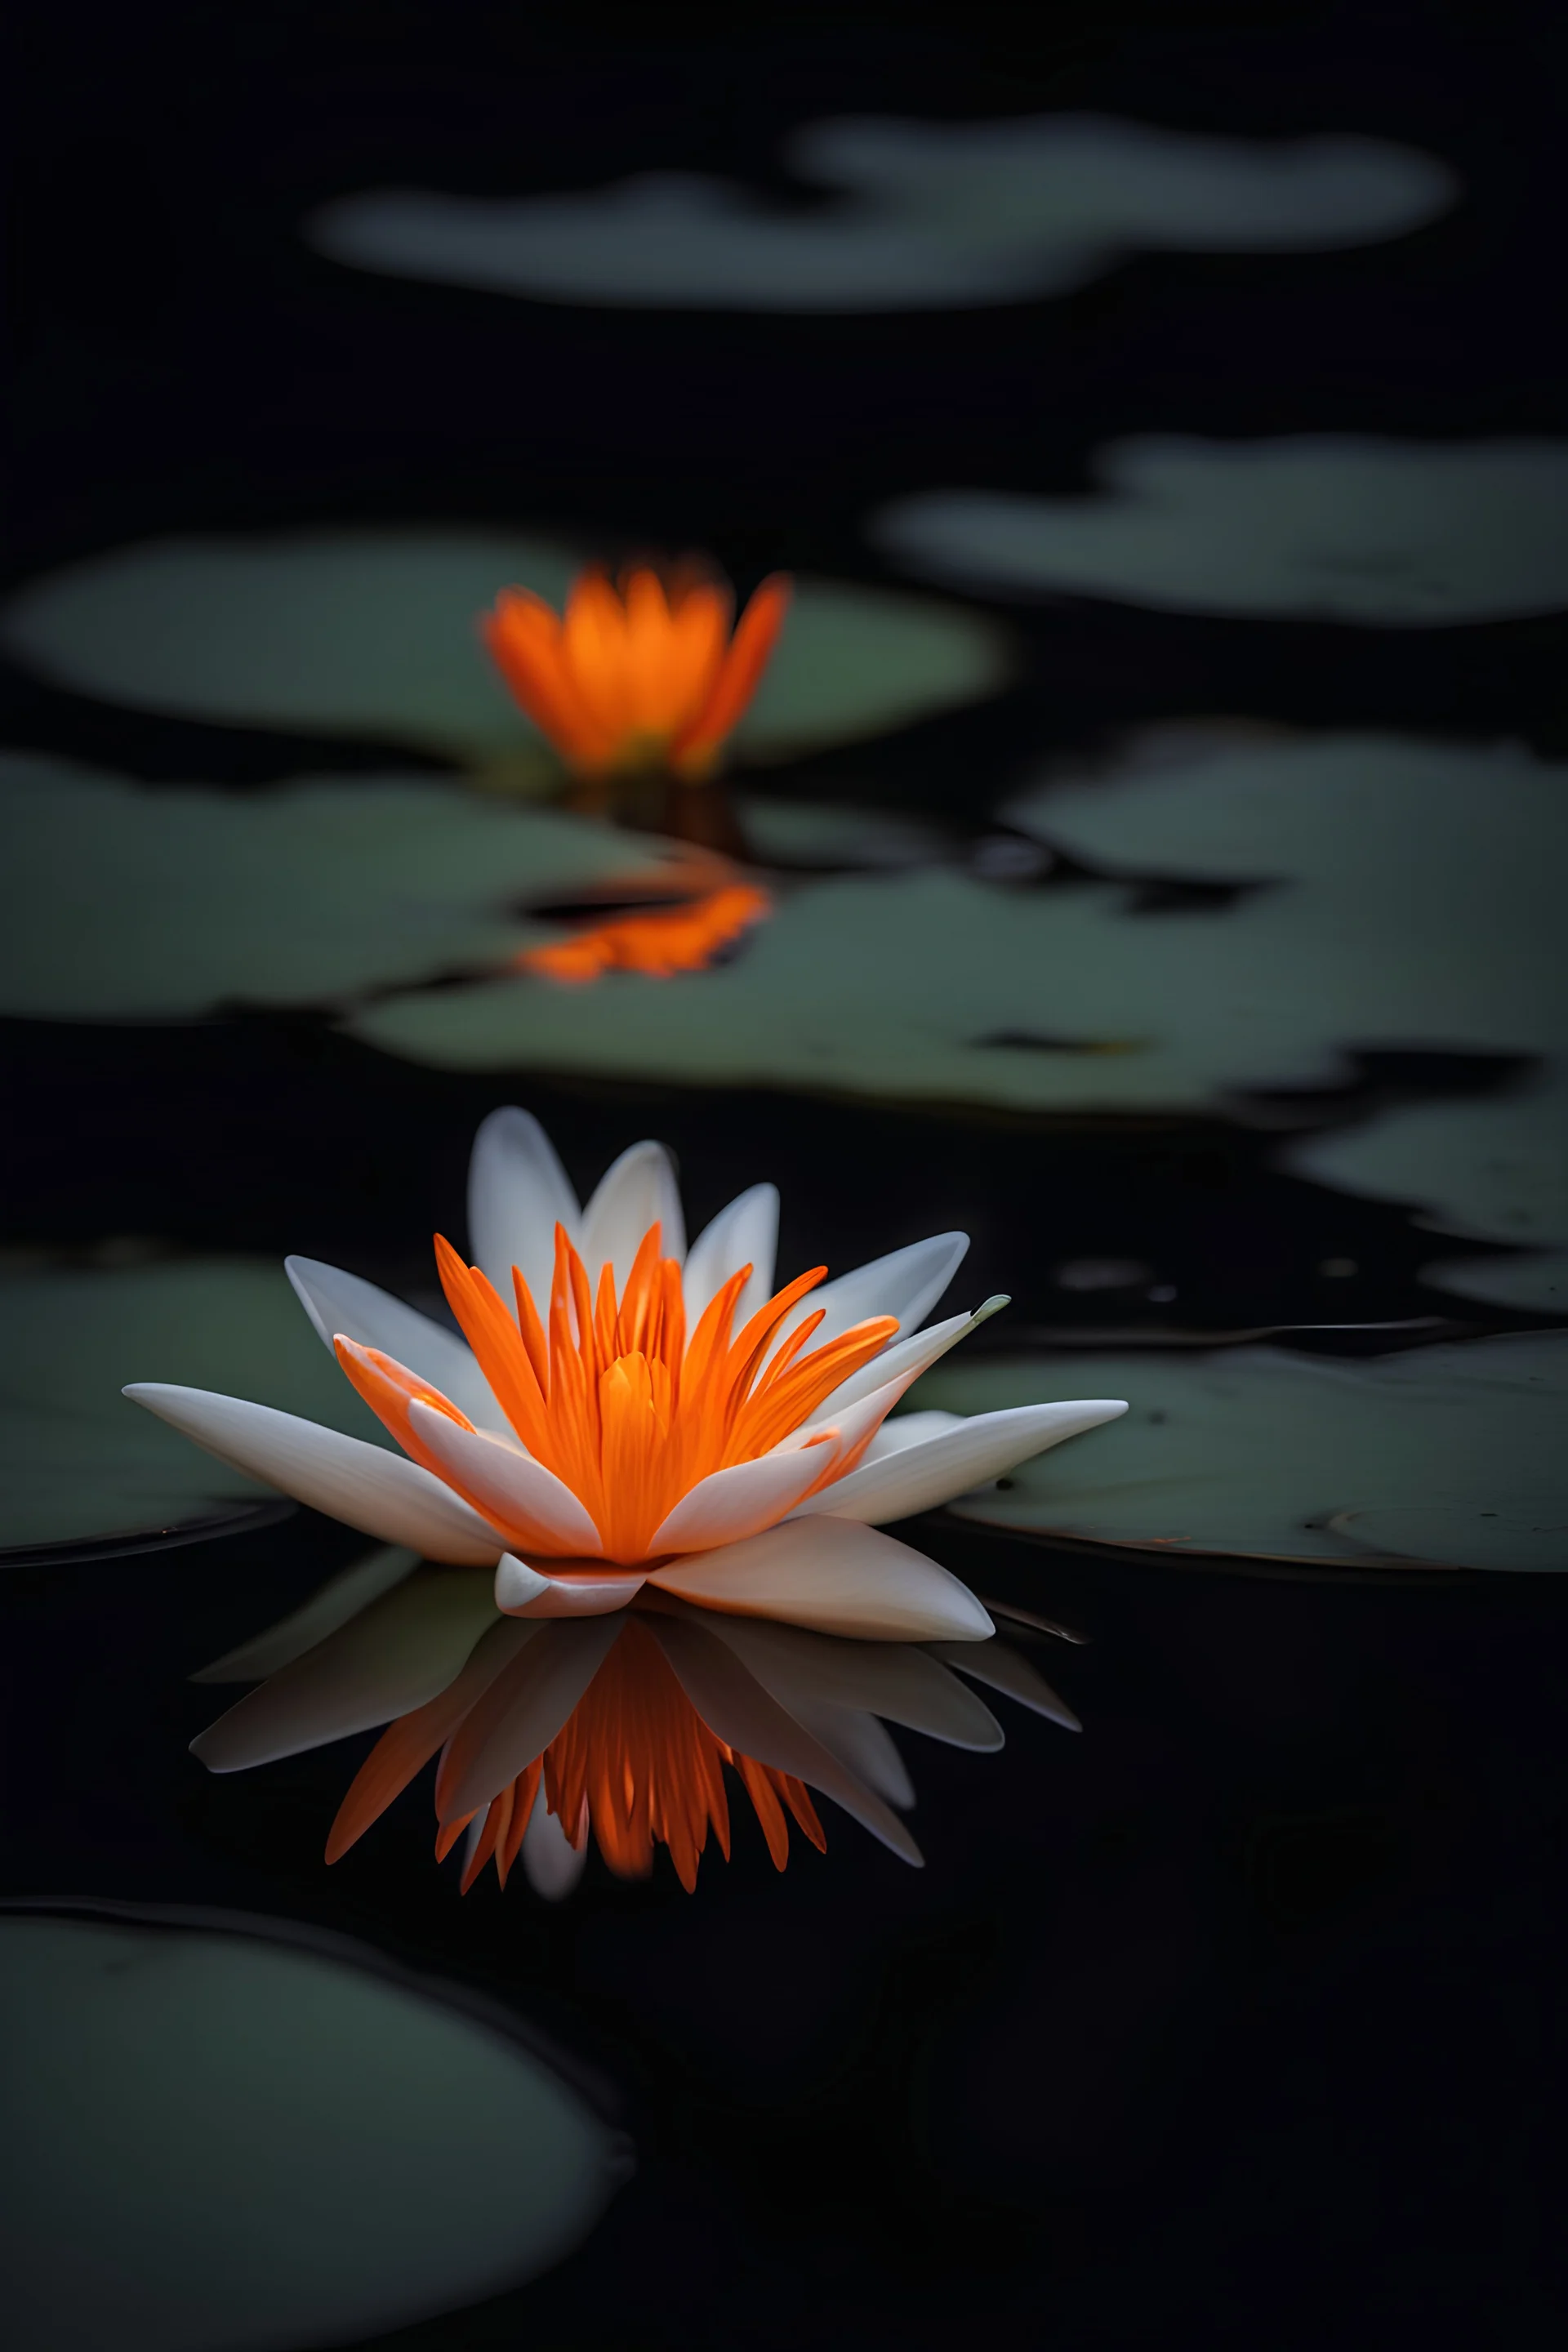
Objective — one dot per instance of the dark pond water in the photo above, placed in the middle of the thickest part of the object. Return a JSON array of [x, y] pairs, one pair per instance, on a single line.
[[1155, 798]]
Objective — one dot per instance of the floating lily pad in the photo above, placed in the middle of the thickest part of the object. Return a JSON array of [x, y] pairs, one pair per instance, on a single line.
[[1491, 1168], [125, 901], [1446, 1456], [1410, 901], [374, 634], [83, 1465], [923, 215], [220, 2141], [1326, 526]]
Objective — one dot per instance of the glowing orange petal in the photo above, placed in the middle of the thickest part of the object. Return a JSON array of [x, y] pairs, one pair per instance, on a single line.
[[524, 640], [756, 634], [594, 644]]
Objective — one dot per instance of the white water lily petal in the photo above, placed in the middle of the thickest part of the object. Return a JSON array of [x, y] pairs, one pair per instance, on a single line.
[[919, 1350], [639, 1190], [729, 1505], [380, 1493], [898, 1680], [523, 1492], [518, 1193], [738, 1710], [1004, 1670], [396, 1654], [523, 1592], [745, 1233], [338, 1302], [906, 1282], [864, 1747], [330, 1605], [833, 1576], [521, 1714], [920, 1476], [551, 1863], [910, 1429]]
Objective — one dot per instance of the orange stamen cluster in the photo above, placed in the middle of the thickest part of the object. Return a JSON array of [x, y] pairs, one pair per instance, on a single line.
[[649, 676], [668, 940], [635, 1762], [611, 1395]]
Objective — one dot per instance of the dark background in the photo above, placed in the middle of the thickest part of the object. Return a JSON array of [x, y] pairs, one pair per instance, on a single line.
[[1236, 2021]]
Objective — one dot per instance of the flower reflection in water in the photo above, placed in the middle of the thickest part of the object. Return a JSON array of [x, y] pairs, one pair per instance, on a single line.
[[645, 674], [663, 1423], [660, 942], [620, 1726]]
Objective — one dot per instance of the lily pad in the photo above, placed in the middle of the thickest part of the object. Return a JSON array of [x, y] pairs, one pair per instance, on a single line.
[[373, 634], [920, 216], [126, 901], [1410, 901], [1449, 1456], [1324, 526], [81, 1465], [269, 2143], [1491, 1168]]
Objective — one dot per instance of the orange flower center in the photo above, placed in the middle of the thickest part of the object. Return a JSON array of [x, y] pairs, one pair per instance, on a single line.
[[614, 1397]]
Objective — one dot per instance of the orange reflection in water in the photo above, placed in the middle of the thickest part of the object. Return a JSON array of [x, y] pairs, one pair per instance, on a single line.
[[634, 1762], [661, 942]]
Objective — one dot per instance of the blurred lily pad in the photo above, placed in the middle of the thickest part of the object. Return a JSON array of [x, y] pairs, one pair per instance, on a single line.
[[1407, 897], [920, 214], [82, 1465], [1324, 526], [1449, 1456], [277, 2145], [126, 901], [1493, 1167], [373, 634]]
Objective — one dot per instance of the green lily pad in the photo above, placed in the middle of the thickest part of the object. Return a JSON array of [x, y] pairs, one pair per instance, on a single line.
[[374, 634], [1410, 900], [125, 901], [83, 1465], [271, 2144], [1325, 527], [1491, 1169], [921, 215], [1447, 1456]]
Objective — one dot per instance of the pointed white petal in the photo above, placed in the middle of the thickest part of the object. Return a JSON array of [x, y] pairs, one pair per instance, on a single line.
[[906, 1282], [909, 1429], [523, 1591], [743, 1500], [745, 1233], [518, 1191], [336, 1301], [639, 1188], [527, 1499], [551, 1863], [900, 1680], [1004, 1670], [330, 1606], [836, 1577], [919, 1477], [913, 1356], [864, 1745], [381, 1492], [521, 1713], [396, 1654], [738, 1710]]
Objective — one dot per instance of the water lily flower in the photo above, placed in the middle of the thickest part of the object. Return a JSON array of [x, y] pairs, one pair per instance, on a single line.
[[648, 674], [661, 942], [621, 1726], [668, 1419]]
